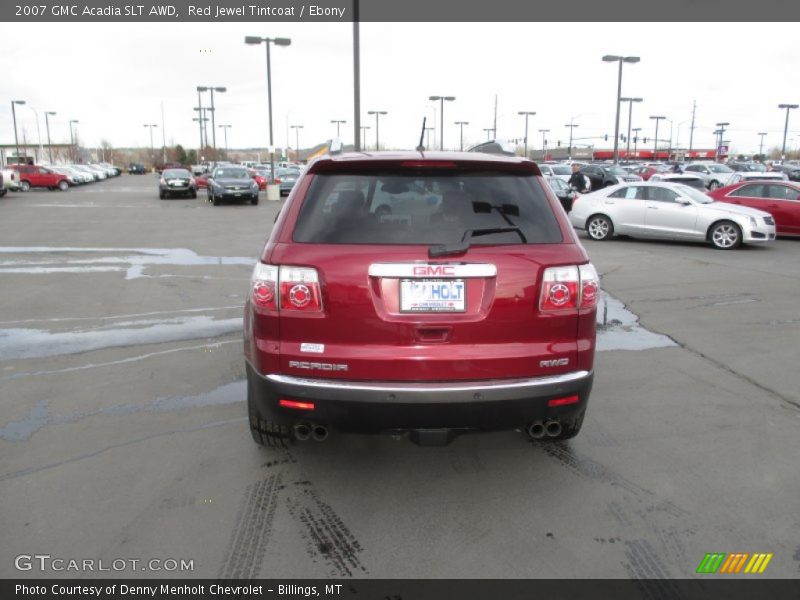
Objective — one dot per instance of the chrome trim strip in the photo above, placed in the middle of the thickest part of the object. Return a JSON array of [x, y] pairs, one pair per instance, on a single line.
[[439, 387], [420, 269]]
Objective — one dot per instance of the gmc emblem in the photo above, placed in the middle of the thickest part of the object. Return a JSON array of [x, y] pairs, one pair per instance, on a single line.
[[434, 271]]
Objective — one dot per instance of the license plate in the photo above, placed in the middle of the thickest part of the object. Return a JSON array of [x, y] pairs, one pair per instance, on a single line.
[[433, 295]]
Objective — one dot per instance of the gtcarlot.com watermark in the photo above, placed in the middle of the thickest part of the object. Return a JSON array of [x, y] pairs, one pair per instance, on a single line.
[[46, 562]]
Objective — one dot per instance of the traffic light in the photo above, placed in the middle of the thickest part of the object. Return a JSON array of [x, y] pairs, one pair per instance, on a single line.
[[605, 137], [644, 141]]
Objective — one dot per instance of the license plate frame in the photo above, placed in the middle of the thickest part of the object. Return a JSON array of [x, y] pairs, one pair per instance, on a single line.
[[414, 299]]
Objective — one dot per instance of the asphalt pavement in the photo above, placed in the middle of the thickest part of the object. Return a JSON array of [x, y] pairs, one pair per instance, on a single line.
[[123, 433]]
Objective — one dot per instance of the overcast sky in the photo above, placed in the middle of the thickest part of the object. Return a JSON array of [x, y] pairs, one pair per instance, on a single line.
[[114, 77]]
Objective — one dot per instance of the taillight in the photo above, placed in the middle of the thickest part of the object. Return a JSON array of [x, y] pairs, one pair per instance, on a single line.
[[264, 284], [299, 289], [285, 288], [568, 288]]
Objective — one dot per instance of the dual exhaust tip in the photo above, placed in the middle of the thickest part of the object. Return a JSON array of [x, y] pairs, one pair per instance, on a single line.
[[304, 431], [541, 429]]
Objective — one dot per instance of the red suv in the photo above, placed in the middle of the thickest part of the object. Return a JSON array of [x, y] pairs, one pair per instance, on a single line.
[[36, 176], [423, 293]]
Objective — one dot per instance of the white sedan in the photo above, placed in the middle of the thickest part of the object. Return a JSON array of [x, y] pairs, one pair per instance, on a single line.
[[669, 211]]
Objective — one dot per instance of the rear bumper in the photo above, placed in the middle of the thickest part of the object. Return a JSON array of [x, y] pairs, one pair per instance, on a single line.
[[375, 407]]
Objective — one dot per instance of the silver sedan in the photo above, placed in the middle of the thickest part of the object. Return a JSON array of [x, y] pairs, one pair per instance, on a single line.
[[669, 211]]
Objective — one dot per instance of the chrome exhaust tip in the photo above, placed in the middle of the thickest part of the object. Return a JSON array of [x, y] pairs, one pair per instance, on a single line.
[[302, 431], [319, 433], [553, 428], [536, 430]]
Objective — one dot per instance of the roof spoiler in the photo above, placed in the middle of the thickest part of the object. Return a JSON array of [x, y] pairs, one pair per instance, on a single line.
[[494, 147]]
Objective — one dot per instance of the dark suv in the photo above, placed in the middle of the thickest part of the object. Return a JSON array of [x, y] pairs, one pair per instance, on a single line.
[[602, 176], [430, 294]]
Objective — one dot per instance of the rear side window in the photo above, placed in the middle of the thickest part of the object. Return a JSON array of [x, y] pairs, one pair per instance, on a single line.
[[436, 208]]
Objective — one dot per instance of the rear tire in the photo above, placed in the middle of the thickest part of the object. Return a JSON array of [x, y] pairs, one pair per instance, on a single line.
[[725, 235], [599, 228], [25, 186], [265, 433]]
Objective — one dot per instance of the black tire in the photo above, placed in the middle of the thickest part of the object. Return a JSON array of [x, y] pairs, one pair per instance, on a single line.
[[266, 433], [193, 194], [161, 195], [254, 201], [600, 228], [63, 186], [25, 186], [214, 200], [3, 192], [714, 185], [725, 235]]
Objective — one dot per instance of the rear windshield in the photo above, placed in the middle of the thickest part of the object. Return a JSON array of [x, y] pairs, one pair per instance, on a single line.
[[231, 173], [182, 173], [425, 209], [561, 170]]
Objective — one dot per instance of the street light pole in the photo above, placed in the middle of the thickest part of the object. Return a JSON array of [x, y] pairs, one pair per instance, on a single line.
[[338, 122], [636, 131], [722, 127], [441, 100], [526, 114], [14, 115], [211, 90], [630, 102], [571, 129], [150, 126], [620, 60], [364, 135], [544, 143], [428, 136], [788, 107], [278, 42], [47, 114], [73, 137], [655, 139], [761, 143], [297, 129], [225, 132], [377, 114], [461, 135], [488, 131]]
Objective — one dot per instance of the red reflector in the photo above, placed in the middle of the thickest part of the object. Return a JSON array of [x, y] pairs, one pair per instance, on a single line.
[[428, 163], [295, 404], [558, 401]]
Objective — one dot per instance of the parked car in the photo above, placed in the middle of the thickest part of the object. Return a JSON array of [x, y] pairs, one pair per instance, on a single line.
[[31, 176], [73, 176], [757, 176], [685, 178], [647, 171], [714, 174], [169, 165], [136, 169], [431, 294], [602, 175], [563, 192], [100, 172], [747, 167], [780, 199], [669, 211], [286, 178], [176, 182], [231, 183], [562, 171], [201, 180], [792, 171], [10, 181], [258, 178]]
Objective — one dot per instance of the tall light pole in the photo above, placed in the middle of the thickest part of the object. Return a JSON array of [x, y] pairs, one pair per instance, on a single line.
[[278, 42], [377, 114], [788, 107], [630, 102], [364, 135], [461, 135], [73, 137], [620, 60], [225, 132], [722, 127], [441, 100], [572, 127], [47, 114], [488, 131], [761, 143], [338, 122], [199, 120], [297, 129], [14, 115], [526, 114], [151, 126], [544, 132], [636, 131], [656, 118], [211, 89]]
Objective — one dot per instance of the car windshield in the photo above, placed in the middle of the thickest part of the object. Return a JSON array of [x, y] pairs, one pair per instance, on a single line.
[[182, 173], [231, 174], [425, 208], [561, 170], [616, 171], [695, 195]]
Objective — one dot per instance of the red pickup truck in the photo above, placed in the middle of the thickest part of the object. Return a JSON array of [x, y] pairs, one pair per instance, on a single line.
[[36, 176]]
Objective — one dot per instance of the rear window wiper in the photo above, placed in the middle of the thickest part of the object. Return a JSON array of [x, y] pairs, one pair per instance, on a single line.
[[466, 240]]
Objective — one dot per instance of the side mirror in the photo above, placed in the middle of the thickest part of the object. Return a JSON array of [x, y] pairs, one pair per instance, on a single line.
[[682, 200]]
